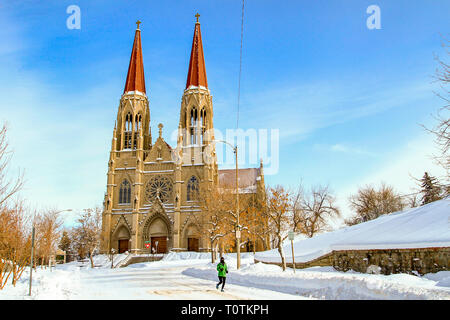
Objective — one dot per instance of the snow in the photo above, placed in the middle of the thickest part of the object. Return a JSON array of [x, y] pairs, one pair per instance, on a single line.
[[192, 276], [152, 280], [327, 283], [421, 227]]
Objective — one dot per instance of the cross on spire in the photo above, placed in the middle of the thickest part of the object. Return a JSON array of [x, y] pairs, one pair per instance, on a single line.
[[135, 77], [197, 72], [160, 126]]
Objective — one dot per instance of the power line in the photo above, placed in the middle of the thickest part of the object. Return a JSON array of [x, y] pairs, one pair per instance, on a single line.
[[240, 66]]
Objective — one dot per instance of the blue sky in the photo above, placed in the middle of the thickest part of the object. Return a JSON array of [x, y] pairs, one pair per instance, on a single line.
[[348, 101]]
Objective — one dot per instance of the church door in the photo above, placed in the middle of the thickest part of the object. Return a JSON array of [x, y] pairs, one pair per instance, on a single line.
[[160, 244], [192, 244], [123, 245]]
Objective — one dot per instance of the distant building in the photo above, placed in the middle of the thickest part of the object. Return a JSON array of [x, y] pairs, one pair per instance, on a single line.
[[151, 187]]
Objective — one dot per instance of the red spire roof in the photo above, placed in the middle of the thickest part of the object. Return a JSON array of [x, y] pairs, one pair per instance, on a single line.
[[197, 72], [135, 77]]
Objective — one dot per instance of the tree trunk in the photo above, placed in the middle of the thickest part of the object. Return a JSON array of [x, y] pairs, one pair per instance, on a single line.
[[92, 260], [221, 250], [280, 250], [213, 252]]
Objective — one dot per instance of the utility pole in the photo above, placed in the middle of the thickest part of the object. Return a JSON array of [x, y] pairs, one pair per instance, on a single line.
[[238, 231], [238, 226]]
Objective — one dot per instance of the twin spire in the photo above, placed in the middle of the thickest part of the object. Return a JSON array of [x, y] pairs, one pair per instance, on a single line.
[[196, 72], [135, 77]]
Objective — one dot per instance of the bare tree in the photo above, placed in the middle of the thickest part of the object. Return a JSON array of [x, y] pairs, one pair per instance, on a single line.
[[48, 229], [370, 203], [15, 242], [14, 236], [298, 213], [413, 200], [88, 231], [442, 129], [216, 205], [316, 208], [277, 211], [230, 216], [256, 220], [8, 187]]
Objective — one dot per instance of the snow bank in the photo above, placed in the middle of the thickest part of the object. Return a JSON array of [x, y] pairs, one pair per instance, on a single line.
[[172, 256], [422, 227], [326, 283]]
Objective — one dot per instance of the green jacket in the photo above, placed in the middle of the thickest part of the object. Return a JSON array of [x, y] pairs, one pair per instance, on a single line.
[[223, 269]]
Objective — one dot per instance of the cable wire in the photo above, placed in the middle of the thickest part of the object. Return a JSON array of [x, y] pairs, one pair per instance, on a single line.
[[240, 66]]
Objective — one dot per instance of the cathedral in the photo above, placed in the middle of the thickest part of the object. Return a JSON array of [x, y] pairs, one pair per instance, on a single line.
[[150, 199]]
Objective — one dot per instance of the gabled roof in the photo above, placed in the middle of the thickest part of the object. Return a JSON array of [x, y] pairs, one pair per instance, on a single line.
[[197, 71], [248, 178], [135, 77]]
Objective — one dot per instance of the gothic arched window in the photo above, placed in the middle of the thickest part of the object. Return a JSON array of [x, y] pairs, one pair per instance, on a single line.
[[125, 192], [193, 126], [127, 131], [137, 125], [138, 121], [192, 189], [203, 125]]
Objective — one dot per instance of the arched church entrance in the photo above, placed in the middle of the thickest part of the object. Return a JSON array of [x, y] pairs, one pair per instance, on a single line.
[[121, 239], [193, 238], [158, 234]]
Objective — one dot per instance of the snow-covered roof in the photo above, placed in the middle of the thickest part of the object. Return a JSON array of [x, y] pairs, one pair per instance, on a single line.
[[422, 227], [248, 178]]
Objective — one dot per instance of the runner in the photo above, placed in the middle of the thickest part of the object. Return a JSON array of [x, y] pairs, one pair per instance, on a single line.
[[223, 270]]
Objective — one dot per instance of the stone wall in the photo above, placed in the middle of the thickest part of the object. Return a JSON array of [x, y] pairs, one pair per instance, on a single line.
[[141, 259], [421, 261]]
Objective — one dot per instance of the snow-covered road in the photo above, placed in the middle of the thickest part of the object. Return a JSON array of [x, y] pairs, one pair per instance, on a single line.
[[192, 277], [164, 283], [156, 280]]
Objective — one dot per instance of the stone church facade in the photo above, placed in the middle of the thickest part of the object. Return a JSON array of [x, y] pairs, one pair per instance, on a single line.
[[151, 187]]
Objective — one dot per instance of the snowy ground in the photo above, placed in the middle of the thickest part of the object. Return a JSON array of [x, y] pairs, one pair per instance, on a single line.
[[427, 226], [192, 276]]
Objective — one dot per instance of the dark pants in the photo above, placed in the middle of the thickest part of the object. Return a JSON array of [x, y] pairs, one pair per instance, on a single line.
[[222, 281]]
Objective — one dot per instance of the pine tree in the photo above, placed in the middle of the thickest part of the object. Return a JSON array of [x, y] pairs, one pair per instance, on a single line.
[[431, 190], [65, 243]]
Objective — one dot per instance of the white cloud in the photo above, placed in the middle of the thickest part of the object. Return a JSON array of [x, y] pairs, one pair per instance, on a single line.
[[301, 109], [339, 147], [397, 169]]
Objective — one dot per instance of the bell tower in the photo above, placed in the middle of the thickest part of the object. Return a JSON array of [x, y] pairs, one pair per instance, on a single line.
[[131, 142], [133, 117], [196, 115]]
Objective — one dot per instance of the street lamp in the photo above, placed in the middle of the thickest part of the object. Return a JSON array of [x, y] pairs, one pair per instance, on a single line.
[[238, 227]]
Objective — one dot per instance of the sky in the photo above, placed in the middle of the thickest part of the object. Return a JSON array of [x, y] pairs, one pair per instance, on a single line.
[[348, 103]]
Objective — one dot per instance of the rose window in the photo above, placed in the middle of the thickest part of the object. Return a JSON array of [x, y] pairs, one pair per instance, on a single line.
[[158, 187]]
